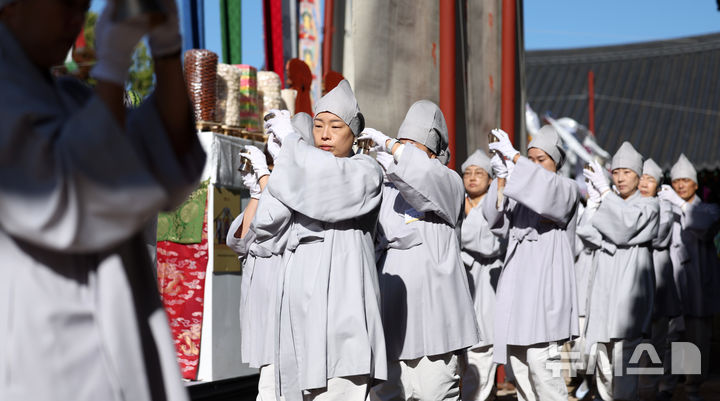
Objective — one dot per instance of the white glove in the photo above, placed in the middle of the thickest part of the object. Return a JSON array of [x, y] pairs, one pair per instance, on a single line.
[[258, 160], [593, 195], [378, 137], [668, 194], [384, 158], [499, 167], [251, 182], [165, 38], [504, 146], [597, 178], [115, 43], [273, 146], [280, 125]]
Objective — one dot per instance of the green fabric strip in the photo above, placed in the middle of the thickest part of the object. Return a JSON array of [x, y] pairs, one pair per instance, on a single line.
[[231, 31], [184, 225]]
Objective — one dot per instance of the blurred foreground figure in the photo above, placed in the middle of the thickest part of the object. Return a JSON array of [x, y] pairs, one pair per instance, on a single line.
[[80, 315]]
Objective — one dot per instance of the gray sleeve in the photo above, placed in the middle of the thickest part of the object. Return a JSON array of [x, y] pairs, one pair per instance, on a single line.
[[544, 192], [323, 187], [627, 223], [241, 246], [427, 185], [497, 219], [271, 223], [589, 236], [665, 223]]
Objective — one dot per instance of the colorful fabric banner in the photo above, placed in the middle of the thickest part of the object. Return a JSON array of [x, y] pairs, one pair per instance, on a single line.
[[309, 42], [181, 282], [273, 23], [184, 225], [231, 32]]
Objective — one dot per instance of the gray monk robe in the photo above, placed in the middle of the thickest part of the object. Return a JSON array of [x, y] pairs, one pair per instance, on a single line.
[[588, 241], [695, 262], [623, 287], [426, 303], [80, 314], [536, 295], [483, 254], [329, 310], [258, 289], [667, 301]]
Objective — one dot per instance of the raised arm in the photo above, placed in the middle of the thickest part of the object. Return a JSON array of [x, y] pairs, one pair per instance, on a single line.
[[546, 193], [324, 187], [427, 185], [498, 220], [79, 182], [589, 236]]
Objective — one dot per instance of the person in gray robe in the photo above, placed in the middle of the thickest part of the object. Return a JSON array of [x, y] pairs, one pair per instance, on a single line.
[[262, 263], [330, 342], [667, 303], [483, 254], [80, 314], [427, 307], [623, 287], [587, 243], [536, 294], [696, 271]]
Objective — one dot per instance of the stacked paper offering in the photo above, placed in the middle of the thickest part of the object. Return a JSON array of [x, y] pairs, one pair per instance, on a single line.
[[228, 89], [269, 88], [249, 109]]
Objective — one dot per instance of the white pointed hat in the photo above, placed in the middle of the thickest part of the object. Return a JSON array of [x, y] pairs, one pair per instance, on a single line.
[[628, 157], [683, 168], [652, 169], [341, 102]]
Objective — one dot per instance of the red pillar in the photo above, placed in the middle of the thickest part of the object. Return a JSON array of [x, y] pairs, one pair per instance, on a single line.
[[507, 94], [328, 30], [447, 71]]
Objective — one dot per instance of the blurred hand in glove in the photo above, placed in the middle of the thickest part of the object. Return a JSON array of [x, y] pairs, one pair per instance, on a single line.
[[597, 177], [115, 43], [503, 146], [165, 39], [668, 194], [280, 125], [258, 160], [499, 166], [377, 137]]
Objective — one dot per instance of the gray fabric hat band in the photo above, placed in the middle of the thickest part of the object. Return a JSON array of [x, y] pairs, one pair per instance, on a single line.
[[424, 123], [548, 140], [480, 159]]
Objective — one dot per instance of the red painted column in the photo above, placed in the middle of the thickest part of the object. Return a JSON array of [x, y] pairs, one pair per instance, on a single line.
[[447, 71], [328, 30], [507, 94]]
